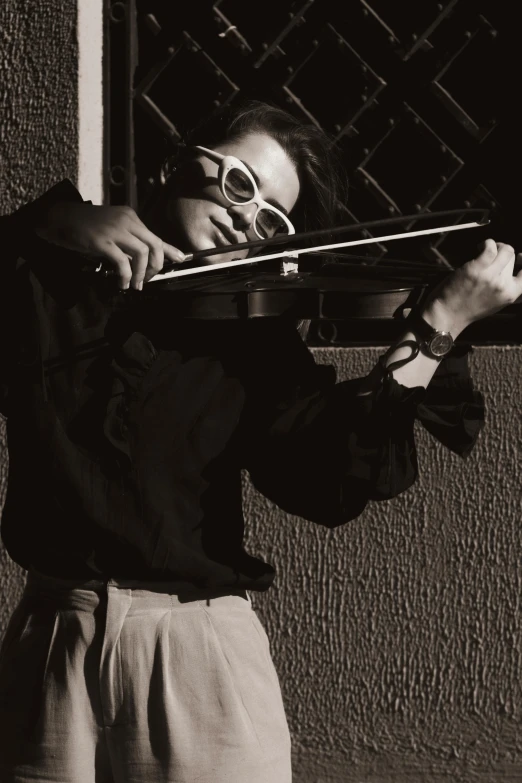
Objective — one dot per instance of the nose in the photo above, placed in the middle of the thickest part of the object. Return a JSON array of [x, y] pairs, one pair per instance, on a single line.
[[243, 216]]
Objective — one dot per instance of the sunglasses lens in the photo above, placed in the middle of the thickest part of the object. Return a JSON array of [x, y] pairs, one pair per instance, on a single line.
[[269, 223], [238, 186]]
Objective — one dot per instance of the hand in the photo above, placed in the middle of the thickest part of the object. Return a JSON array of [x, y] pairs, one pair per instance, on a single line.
[[115, 233], [479, 288]]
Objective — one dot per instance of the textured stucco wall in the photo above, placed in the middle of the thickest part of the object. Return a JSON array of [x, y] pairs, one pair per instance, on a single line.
[[397, 636], [38, 137], [38, 97]]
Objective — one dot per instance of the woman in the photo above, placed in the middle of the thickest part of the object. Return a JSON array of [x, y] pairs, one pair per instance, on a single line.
[[134, 654]]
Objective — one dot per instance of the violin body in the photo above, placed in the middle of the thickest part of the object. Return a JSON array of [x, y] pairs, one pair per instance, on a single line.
[[327, 286], [367, 296]]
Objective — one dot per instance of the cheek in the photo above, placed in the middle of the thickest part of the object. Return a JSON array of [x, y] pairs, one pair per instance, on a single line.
[[185, 212], [180, 208]]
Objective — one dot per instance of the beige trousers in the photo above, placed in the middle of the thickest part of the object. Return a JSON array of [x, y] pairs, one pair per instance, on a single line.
[[124, 683]]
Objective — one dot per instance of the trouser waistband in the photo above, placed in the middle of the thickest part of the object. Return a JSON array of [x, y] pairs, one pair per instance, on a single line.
[[42, 585]]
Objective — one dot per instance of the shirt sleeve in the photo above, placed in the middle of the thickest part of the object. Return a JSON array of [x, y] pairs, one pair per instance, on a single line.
[[17, 230], [325, 450], [452, 410], [18, 240]]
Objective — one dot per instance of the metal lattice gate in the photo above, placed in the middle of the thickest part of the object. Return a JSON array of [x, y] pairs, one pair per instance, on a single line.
[[416, 95]]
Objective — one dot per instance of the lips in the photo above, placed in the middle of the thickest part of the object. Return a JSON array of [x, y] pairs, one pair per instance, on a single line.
[[225, 233]]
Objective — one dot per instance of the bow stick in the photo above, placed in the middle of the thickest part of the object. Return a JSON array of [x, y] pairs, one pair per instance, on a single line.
[[295, 253], [482, 215]]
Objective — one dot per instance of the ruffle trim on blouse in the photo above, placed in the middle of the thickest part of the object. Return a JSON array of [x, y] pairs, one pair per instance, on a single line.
[[455, 425], [144, 384], [130, 364], [450, 408]]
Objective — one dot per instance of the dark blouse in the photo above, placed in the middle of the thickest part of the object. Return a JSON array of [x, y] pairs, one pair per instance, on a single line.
[[128, 428]]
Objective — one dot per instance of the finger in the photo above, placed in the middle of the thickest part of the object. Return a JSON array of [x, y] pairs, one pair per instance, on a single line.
[[170, 252], [155, 245], [516, 282], [160, 250], [139, 253], [488, 252], [518, 278], [166, 253], [505, 259], [173, 254], [120, 261]]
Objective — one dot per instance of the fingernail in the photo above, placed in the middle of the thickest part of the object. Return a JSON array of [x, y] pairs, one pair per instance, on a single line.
[[139, 287]]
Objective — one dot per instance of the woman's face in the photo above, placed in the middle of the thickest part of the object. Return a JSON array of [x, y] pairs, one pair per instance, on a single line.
[[201, 217]]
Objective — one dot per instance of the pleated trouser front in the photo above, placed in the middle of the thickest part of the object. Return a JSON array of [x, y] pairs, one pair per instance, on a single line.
[[124, 683]]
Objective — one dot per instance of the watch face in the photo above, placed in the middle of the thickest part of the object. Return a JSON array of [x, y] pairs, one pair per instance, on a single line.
[[441, 344]]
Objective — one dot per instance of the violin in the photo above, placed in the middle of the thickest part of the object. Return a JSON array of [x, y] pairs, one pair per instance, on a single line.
[[324, 286], [307, 283]]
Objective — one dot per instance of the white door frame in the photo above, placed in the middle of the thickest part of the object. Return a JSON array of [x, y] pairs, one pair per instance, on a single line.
[[90, 100]]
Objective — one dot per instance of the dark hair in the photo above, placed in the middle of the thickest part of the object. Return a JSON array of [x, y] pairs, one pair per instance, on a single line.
[[318, 164]]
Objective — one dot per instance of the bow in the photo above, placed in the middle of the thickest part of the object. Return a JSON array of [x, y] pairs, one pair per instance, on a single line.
[[171, 270]]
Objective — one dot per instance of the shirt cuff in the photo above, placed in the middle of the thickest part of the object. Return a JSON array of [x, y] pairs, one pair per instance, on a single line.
[[29, 215], [453, 411]]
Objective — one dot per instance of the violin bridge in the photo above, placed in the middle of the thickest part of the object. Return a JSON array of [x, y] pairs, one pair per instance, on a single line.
[[290, 265]]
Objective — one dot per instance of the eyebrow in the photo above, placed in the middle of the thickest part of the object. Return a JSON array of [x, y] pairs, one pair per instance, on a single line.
[[271, 201]]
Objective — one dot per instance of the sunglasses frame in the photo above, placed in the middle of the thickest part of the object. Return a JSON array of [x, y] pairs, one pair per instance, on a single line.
[[228, 162]]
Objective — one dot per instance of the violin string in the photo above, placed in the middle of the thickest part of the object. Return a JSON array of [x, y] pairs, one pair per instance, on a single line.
[[296, 253], [370, 262]]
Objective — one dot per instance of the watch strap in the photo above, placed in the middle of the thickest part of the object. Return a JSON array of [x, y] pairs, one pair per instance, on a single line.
[[429, 336]]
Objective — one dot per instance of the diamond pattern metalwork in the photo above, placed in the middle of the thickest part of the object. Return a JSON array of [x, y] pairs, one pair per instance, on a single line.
[[413, 94]]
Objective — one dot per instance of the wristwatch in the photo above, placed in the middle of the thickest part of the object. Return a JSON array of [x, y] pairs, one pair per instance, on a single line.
[[435, 343]]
